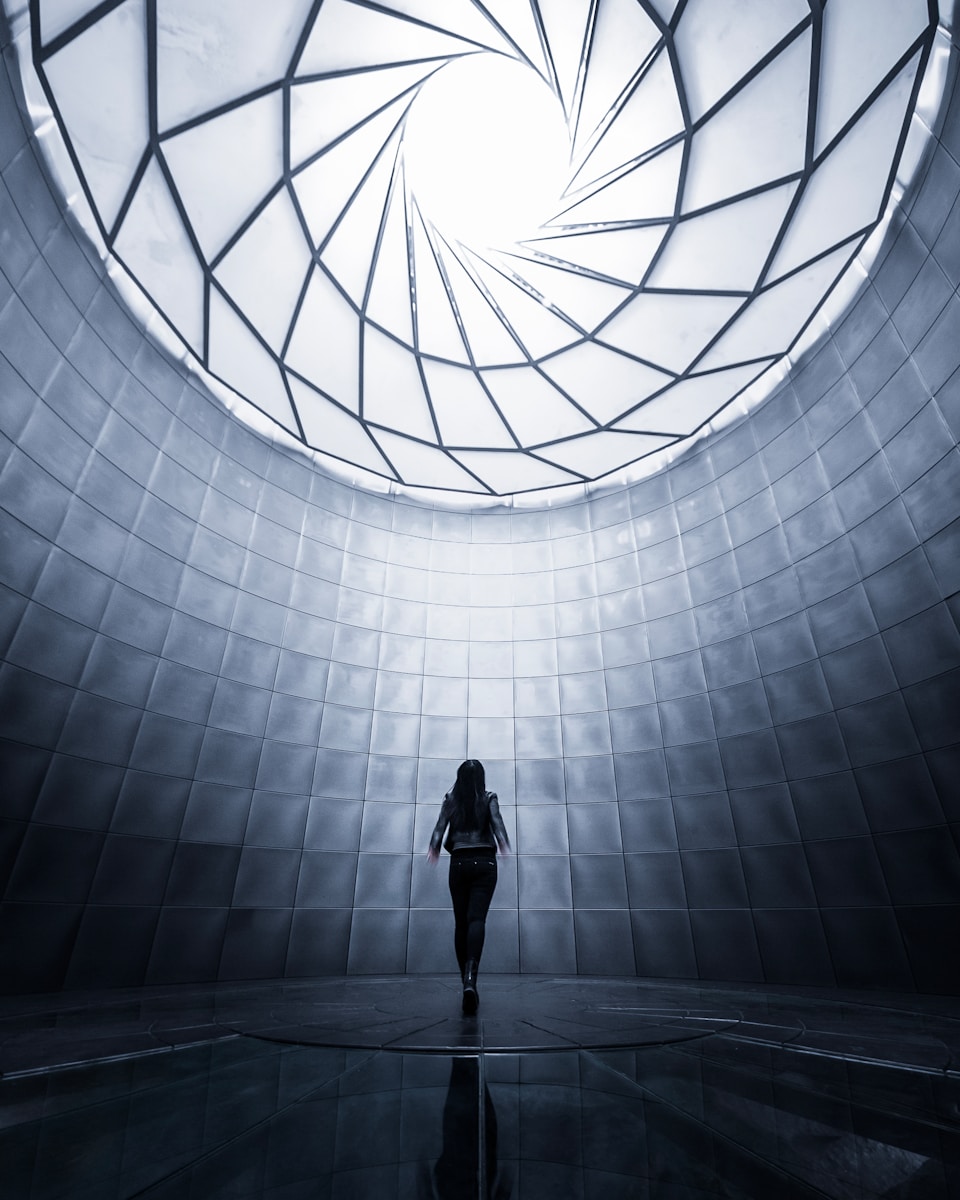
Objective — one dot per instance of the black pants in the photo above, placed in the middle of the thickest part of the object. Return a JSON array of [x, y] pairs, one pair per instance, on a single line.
[[473, 878]]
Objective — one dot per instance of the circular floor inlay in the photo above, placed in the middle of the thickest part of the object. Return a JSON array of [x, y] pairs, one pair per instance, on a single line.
[[422, 1014]]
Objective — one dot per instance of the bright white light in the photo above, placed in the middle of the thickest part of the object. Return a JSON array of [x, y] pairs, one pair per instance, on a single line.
[[487, 150]]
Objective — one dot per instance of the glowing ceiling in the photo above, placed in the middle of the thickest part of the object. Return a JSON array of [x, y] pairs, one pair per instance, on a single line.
[[486, 247]]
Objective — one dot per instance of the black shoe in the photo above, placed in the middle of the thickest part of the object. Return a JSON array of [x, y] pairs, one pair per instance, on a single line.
[[470, 997]]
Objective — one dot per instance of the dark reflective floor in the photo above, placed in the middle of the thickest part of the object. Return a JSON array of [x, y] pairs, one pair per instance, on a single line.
[[558, 1088]]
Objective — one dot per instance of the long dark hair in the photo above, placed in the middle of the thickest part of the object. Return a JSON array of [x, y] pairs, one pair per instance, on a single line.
[[470, 791]]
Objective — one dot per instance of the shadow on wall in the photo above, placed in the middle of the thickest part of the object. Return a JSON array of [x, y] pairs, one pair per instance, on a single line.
[[719, 705]]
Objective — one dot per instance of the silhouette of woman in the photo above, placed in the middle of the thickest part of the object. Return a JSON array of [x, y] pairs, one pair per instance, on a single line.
[[476, 832], [468, 1165]]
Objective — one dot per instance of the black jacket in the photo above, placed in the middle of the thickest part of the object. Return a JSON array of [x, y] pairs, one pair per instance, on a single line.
[[463, 835]]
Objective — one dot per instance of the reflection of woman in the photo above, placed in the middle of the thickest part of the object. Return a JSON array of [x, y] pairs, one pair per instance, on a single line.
[[468, 1165], [476, 832]]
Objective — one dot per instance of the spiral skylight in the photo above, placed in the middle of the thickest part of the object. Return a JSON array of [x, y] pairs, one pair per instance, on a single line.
[[486, 247]]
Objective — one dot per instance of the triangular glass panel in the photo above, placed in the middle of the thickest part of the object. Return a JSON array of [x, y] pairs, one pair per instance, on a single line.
[[346, 36], [669, 331], [759, 136], [516, 19], [665, 8], [154, 246], [724, 249], [507, 471], [858, 49], [224, 167], [349, 250], [623, 254], [645, 193], [241, 361], [390, 301], [57, 17], [328, 428], [625, 382], [265, 271], [772, 321], [325, 346], [437, 332], [540, 330], [325, 187], [210, 55], [691, 402], [718, 44], [489, 341], [585, 300], [98, 79], [459, 18], [532, 406], [463, 410], [424, 466], [846, 192], [650, 116], [623, 36], [393, 393], [323, 110], [597, 454], [565, 26]]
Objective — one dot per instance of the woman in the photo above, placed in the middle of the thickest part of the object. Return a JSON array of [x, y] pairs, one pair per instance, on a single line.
[[476, 833]]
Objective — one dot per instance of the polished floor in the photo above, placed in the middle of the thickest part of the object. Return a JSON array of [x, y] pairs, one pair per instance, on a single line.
[[558, 1087]]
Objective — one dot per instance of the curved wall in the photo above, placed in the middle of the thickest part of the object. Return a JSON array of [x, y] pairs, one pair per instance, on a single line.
[[719, 706]]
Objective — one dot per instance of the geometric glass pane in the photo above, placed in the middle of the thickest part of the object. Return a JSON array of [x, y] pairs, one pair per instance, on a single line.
[[106, 113]]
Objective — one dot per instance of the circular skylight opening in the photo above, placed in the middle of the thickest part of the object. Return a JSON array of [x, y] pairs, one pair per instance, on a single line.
[[486, 151], [483, 247]]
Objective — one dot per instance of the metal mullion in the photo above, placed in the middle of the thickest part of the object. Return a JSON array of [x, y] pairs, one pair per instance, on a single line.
[[921, 44], [43, 52], [758, 67], [488, 16], [212, 113]]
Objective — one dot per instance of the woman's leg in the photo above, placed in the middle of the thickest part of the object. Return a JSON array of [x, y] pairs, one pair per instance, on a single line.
[[472, 884], [460, 895], [483, 881], [482, 886]]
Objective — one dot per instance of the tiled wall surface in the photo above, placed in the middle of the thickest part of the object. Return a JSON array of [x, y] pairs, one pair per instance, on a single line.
[[719, 706]]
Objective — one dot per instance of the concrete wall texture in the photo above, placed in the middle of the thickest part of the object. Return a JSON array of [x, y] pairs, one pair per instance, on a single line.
[[719, 706]]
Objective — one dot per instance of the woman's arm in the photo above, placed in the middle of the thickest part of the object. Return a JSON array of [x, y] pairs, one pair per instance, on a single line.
[[436, 838], [496, 823]]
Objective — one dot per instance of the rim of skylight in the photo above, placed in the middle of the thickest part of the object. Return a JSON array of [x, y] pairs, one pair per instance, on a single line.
[[514, 276]]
